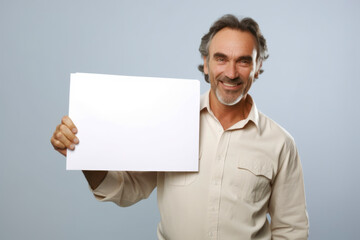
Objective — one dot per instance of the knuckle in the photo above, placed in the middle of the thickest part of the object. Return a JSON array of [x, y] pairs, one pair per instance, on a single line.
[[58, 135], [63, 119], [59, 145], [56, 144], [62, 127]]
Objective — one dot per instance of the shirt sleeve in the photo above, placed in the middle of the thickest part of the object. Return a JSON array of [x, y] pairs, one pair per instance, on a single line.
[[287, 206], [125, 188]]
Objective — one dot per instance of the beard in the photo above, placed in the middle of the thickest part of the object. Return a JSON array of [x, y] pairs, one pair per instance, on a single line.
[[229, 98], [228, 101]]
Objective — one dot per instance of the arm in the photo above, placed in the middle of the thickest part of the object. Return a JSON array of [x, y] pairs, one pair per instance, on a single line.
[[123, 188], [126, 188], [287, 206]]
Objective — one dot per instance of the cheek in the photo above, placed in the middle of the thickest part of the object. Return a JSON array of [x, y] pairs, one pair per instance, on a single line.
[[246, 73], [248, 85], [218, 70]]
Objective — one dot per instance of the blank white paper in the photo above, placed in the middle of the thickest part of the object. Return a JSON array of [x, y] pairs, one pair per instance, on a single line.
[[134, 123]]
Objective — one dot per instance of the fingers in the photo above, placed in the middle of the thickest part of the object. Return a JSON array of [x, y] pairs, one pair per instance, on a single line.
[[64, 136], [56, 143], [68, 122], [69, 135], [64, 141]]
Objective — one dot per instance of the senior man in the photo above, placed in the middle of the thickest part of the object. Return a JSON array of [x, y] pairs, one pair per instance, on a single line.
[[248, 165]]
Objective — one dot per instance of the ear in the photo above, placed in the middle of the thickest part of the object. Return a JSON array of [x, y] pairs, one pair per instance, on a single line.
[[206, 69], [257, 71]]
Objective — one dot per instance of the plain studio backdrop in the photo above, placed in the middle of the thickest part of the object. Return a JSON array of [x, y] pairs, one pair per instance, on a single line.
[[309, 86]]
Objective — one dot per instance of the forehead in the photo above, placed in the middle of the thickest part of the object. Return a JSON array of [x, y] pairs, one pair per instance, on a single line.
[[233, 42]]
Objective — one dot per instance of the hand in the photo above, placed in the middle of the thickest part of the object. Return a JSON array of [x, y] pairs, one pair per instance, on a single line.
[[64, 136]]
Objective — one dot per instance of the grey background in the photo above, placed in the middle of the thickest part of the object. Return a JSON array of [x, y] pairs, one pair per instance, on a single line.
[[309, 86]]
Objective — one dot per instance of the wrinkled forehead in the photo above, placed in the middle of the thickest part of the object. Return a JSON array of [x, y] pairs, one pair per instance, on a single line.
[[233, 42]]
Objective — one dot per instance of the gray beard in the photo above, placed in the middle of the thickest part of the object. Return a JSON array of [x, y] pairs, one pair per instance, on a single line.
[[237, 100]]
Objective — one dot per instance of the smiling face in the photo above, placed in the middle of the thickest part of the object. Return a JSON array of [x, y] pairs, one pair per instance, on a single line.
[[231, 65]]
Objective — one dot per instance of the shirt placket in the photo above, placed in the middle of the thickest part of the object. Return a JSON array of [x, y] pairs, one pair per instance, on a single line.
[[216, 183]]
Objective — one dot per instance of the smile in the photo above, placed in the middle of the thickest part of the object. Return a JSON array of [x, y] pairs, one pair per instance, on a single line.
[[230, 86]]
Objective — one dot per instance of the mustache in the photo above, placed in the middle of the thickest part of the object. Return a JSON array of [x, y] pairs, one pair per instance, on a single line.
[[230, 80]]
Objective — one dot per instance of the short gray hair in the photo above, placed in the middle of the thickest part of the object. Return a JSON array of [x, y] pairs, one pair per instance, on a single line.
[[230, 21]]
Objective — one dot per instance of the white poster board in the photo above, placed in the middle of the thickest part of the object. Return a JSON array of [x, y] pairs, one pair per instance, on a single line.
[[134, 123]]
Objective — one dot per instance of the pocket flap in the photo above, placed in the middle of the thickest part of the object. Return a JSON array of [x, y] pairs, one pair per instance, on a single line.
[[258, 167]]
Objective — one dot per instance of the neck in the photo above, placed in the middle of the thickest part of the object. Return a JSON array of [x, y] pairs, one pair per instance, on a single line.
[[229, 115]]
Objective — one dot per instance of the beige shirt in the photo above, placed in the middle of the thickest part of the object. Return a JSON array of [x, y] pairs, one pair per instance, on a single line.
[[245, 172]]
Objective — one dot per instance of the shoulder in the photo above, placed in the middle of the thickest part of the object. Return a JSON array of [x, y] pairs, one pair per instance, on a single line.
[[283, 145], [271, 129]]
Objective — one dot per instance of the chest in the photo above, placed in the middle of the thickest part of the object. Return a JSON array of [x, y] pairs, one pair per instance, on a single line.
[[243, 162]]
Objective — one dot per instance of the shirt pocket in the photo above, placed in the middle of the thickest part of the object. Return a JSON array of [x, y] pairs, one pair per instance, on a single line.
[[253, 179]]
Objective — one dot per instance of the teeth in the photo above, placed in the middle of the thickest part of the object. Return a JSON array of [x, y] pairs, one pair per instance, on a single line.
[[230, 85]]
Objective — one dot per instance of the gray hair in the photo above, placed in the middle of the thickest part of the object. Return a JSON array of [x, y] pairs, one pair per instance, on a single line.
[[230, 21]]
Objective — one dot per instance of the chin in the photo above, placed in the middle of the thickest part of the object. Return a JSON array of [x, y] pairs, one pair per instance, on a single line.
[[229, 101]]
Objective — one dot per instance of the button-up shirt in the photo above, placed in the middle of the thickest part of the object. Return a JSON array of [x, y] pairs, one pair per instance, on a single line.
[[246, 173]]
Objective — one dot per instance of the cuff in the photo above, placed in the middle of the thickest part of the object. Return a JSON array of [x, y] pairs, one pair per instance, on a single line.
[[109, 186]]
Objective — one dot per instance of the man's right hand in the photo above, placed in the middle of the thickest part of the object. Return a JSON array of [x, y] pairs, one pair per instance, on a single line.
[[64, 136]]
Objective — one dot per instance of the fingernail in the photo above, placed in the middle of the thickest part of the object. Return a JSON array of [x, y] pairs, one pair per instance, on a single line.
[[74, 130], [76, 140], [72, 146]]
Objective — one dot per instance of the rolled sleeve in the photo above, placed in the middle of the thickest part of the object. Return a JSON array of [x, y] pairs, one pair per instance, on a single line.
[[110, 187], [125, 188]]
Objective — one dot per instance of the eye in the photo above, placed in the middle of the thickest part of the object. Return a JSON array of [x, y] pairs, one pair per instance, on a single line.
[[245, 62], [220, 59]]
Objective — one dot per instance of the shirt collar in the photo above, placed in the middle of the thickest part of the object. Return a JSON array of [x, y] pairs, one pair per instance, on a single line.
[[253, 115]]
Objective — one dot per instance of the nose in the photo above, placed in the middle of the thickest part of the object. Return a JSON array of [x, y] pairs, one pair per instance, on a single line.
[[231, 71]]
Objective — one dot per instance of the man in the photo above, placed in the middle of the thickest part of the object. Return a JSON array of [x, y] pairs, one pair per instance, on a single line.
[[248, 165]]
